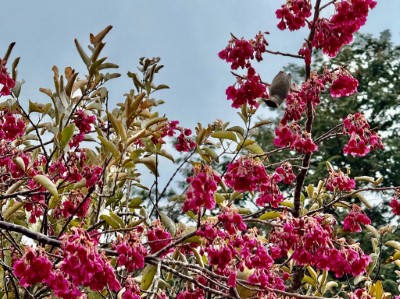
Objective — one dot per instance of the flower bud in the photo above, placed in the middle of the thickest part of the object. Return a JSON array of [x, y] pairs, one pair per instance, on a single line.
[[279, 90]]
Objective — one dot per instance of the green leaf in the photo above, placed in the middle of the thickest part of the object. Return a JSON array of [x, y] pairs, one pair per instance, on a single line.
[[46, 183], [261, 123], [167, 155], [118, 127], [39, 107], [117, 218], [82, 53], [66, 135], [394, 244], [148, 274], [150, 163], [153, 121], [270, 215], [135, 202], [309, 280], [254, 148], [225, 135], [110, 146], [362, 198], [219, 198], [168, 222], [111, 221], [237, 129], [162, 86], [208, 151]]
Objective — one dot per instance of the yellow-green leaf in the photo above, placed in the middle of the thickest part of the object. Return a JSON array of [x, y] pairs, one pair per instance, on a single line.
[[110, 146], [219, 198], [148, 274], [312, 273], [150, 163], [165, 154], [270, 215], [208, 151], [110, 221], [117, 218], [237, 129], [135, 202], [20, 163], [225, 135], [394, 244], [287, 203], [82, 53], [168, 222], [39, 107], [153, 121], [261, 123], [362, 198], [254, 148], [117, 125], [309, 280], [66, 135], [46, 183]]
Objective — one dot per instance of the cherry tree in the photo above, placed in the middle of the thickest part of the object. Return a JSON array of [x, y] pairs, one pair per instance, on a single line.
[[77, 221]]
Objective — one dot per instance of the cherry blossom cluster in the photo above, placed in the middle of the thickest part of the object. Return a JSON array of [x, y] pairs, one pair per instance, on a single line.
[[248, 175], [33, 267], [311, 241], [344, 85], [353, 220], [285, 170], [82, 265], [249, 87], [75, 203], [339, 181], [395, 205], [84, 123], [158, 237], [11, 127], [131, 252], [293, 14], [360, 294], [8, 158], [331, 35], [246, 90], [183, 144], [5, 80], [240, 52], [188, 294], [229, 251], [202, 186], [232, 221], [296, 102], [362, 139], [132, 289], [293, 136]]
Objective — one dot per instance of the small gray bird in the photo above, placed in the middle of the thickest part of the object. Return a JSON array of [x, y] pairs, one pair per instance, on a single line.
[[279, 90]]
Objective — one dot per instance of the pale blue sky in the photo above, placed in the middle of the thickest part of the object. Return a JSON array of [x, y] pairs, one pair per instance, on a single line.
[[187, 35]]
